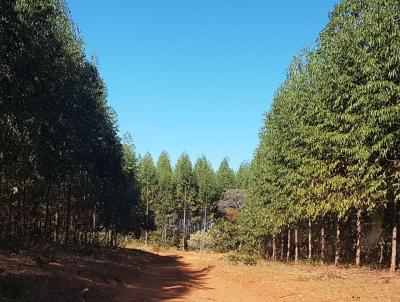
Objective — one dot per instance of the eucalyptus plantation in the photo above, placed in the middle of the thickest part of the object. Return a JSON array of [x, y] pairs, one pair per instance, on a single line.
[[62, 167], [328, 157]]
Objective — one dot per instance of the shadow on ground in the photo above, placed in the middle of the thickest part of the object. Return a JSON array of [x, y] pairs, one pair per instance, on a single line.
[[109, 275]]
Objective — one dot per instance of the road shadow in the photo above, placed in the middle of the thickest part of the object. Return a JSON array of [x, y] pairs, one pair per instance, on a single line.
[[109, 275]]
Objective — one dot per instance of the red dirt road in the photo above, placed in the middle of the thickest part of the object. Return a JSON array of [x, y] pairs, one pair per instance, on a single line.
[[212, 279], [129, 275]]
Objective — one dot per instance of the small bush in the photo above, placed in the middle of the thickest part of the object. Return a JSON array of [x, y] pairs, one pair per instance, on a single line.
[[246, 259], [233, 259], [224, 236], [200, 241], [249, 260]]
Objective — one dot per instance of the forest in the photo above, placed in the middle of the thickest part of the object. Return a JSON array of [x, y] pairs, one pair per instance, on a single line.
[[323, 185]]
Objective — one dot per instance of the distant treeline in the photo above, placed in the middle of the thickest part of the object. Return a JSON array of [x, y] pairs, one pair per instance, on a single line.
[[325, 178], [183, 200]]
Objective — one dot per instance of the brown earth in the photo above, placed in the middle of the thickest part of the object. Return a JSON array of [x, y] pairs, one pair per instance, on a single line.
[[142, 276]]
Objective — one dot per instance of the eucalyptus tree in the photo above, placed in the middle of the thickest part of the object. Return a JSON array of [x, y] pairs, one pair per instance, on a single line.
[[148, 186], [225, 176], [207, 190], [185, 187], [242, 177], [165, 205]]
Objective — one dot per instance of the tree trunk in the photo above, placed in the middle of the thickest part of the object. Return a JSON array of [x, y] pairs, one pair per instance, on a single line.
[[337, 245], [55, 231], [296, 245], [205, 217], [184, 221], [68, 220], [309, 239], [147, 216], [322, 245], [282, 246], [381, 252], [165, 229], [359, 234], [274, 247], [288, 246], [394, 249]]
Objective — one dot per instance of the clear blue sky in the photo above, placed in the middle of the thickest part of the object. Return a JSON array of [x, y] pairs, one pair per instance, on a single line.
[[196, 75]]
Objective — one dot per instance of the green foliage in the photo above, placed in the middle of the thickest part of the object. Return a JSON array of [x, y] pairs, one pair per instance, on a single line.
[[225, 176], [165, 202], [225, 236], [329, 145], [235, 259], [61, 159], [243, 176], [207, 189], [148, 187], [201, 241]]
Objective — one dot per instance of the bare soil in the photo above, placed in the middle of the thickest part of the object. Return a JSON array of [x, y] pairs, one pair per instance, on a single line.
[[143, 276]]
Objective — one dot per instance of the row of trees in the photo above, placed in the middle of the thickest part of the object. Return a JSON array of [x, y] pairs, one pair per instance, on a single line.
[[182, 199], [328, 161], [65, 177]]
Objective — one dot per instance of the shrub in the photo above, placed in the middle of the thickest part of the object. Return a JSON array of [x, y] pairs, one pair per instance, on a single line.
[[234, 259], [224, 236], [200, 241], [249, 260]]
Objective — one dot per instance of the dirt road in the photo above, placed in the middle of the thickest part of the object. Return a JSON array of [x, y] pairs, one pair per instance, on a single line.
[[194, 277], [130, 275]]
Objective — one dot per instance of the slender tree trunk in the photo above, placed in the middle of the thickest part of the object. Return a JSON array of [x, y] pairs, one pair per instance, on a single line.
[[94, 226], [358, 243], [282, 246], [67, 222], [274, 247], [381, 252], [394, 249], [288, 246], [309, 239], [337, 244], [147, 216], [322, 245], [296, 245], [184, 221], [165, 229], [55, 231], [205, 217]]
